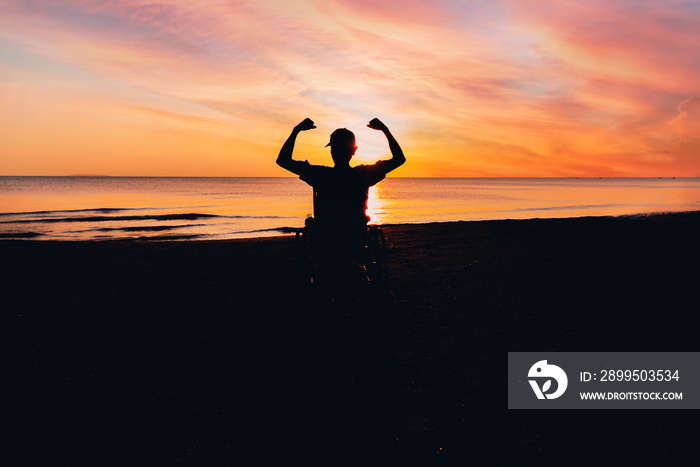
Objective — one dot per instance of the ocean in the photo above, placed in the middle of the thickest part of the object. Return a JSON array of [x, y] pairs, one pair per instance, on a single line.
[[157, 208]]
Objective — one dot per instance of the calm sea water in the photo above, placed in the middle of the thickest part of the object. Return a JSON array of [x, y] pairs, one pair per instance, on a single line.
[[89, 208]]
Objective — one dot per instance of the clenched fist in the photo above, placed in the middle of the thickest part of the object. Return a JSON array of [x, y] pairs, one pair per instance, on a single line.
[[307, 124]]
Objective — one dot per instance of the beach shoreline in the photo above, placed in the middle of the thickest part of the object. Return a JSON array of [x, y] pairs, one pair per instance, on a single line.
[[64, 208], [206, 351]]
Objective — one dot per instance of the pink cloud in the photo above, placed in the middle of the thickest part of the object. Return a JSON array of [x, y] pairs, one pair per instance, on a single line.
[[530, 87], [687, 122]]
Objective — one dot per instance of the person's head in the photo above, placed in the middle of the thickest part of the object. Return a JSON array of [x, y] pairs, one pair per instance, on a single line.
[[342, 146]]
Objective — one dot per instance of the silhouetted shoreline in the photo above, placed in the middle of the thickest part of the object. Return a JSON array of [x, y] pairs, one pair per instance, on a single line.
[[208, 352]]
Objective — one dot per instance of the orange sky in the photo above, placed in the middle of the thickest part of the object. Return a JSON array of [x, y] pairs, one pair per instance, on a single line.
[[478, 88]]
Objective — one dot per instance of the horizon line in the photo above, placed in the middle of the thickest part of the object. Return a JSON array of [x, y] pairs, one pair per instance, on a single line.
[[293, 177]]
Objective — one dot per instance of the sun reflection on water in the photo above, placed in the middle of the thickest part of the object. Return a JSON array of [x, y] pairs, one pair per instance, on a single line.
[[376, 206]]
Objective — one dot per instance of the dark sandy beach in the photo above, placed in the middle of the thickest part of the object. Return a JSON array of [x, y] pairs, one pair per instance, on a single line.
[[209, 353]]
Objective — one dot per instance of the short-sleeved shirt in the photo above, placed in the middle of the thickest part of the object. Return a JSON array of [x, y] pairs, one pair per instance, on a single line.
[[340, 194]]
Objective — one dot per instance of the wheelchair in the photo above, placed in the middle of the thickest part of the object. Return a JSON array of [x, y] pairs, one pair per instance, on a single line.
[[367, 267]]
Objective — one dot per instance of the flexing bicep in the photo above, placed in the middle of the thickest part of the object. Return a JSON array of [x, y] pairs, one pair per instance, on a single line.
[[397, 157], [391, 164], [296, 167]]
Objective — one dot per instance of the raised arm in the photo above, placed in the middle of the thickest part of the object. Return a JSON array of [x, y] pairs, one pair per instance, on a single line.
[[284, 159], [397, 157]]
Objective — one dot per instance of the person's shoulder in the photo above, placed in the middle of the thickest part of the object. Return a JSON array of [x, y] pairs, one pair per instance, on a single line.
[[308, 166], [373, 173], [376, 165], [319, 169], [313, 174]]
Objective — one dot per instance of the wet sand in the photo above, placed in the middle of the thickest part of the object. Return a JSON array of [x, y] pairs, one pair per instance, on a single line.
[[213, 353]]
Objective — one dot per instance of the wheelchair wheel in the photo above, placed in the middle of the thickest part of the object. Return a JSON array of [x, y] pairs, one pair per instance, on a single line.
[[373, 259], [376, 262], [303, 258]]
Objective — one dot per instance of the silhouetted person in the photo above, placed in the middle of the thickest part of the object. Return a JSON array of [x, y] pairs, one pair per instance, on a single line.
[[340, 192], [346, 379]]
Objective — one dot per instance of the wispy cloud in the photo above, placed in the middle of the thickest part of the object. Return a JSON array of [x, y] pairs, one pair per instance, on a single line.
[[470, 88]]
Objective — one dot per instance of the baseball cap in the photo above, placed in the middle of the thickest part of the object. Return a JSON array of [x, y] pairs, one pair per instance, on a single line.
[[342, 137]]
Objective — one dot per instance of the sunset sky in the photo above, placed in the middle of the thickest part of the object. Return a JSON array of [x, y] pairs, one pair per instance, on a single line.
[[509, 88]]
